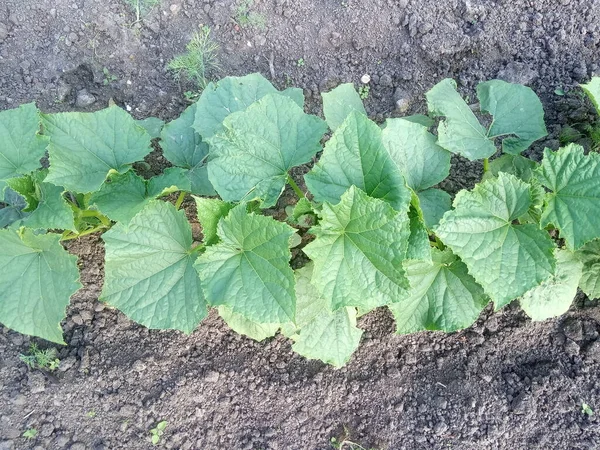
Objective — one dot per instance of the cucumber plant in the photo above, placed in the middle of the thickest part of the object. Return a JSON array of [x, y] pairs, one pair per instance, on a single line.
[[374, 226]]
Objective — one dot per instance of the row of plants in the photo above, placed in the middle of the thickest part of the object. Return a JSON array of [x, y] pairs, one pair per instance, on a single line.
[[372, 224]]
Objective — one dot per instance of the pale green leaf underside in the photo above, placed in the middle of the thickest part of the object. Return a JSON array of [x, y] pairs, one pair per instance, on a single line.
[[573, 205], [422, 162], [418, 242], [339, 103], [434, 204], [210, 211], [554, 296], [248, 270], [589, 255], [355, 156], [506, 259], [233, 94], [251, 158], [358, 252], [21, 147], [443, 296], [149, 273], [38, 279], [12, 210], [183, 147], [85, 147], [329, 336], [592, 89], [241, 325], [517, 112]]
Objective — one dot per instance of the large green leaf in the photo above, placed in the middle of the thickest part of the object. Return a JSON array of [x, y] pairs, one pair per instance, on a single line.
[[573, 205], [183, 147], [240, 324], [516, 165], [233, 94], [152, 125], [506, 259], [592, 89], [355, 156], [38, 279], [21, 147], [589, 255], [149, 273], [210, 211], [358, 252], [331, 336], [85, 147], [422, 162], [517, 111], [460, 132], [251, 159], [553, 297], [248, 270], [339, 103], [434, 203], [442, 296]]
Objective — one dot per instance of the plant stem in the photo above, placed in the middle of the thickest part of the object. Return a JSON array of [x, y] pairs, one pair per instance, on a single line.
[[97, 214], [295, 187], [486, 165], [437, 243], [84, 233], [179, 200]]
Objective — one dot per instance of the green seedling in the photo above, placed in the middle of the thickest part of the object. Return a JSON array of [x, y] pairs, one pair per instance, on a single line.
[[157, 432], [363, 91], [300, 62], [587, 410], [41, 359], [108, 77], [245, 17], [141, 7], [199, 60], [30, 433]]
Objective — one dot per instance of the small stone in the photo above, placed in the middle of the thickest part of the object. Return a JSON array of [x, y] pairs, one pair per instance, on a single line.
[[77, 320], [335, 39], [211, 376], [571, 347], [175, 9], [492, 324], [139, 366], [63, 91], [365, 79], [67, 363], [37, 382], [572, 329], [84, 99], [440, 402], [517, 72], [86, 315], [385, 80], [440, 428], [402, 100]]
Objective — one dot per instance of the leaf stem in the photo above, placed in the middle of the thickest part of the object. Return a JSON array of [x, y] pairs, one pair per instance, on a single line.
[[197, 248], [295, 187], [84, 233], [180, 200], [437, 243], [96, 214], [486, 165]]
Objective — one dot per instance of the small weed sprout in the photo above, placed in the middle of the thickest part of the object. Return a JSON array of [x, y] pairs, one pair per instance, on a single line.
[[41, 359], [300, 62], [91, 414], [587, 410], [142, 7], [158, 431], [363, 91], [246, 18], [199, 59], [30, 433], [108, 77]]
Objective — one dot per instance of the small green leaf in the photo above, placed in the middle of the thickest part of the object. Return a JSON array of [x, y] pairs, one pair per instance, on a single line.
[[422, 162], [339, 103], [183, 147], [241, 325], [434, 204], [358, 252], [248, 270], [589, 255], [85, 147], [516, 165], [251, 158], [210, 211], [233, 94], [171, 180], [442, 296], [149, 273], [355, 156], [152, 125], [506, 259], [418, 242], [38, 279], [573, 205], [21, 147], [592, 89], [554, 296], [13, 209]]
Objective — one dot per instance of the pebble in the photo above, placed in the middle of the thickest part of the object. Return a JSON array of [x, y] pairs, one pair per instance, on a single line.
[[211, 376], [365, 79], [84, 99], [401, 100], [385, 80]]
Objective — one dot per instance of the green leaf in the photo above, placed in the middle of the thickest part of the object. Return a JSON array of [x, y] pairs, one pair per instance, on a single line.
[[355, 156], [152, 125], [210, 211], [149, 273], [38, 279], [460, 132], [506, 259], [554, 296], [251, 159], [241, 325], [13, 209], [422, 162], [589, 255], [249, 270], [573, 205], [339, 103], [592, 89], [233, 94], [516, 110], [183, 147], [443, 296], [421, 119], [329, 336], [49, 209], [516, 165], [418, 242], [171, 180], [21, 147], [358, 252], [434, 204], [85, 147]]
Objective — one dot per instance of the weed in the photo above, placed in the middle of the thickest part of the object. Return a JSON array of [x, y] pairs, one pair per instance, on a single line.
[[158, 431], [300, 62], [108, 77], [91, 414], [30, 433], [246, 18], [363, 91], [40, 359], [199, 59], [587, 410], [191, 96], [142, 7], [345, 444]]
